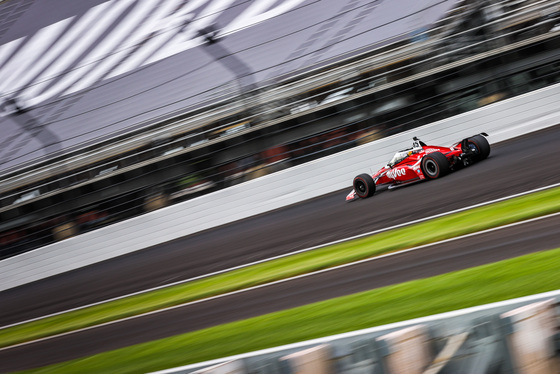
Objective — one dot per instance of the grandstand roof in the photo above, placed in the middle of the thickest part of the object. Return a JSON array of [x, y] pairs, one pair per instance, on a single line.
[[76, 73]]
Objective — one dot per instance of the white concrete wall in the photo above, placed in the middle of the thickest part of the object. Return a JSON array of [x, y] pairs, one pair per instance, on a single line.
[[503, 120], [231, 367]]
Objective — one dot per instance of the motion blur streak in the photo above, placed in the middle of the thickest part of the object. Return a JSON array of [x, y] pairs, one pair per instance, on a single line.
[[96, 48], [437, 259]]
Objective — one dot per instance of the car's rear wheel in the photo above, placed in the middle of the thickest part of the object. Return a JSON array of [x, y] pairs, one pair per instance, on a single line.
[[364, 185], [479, 147], [435, 165]]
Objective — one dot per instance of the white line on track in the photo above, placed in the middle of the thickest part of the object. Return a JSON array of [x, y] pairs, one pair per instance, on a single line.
[[285, 280], [287, 254]]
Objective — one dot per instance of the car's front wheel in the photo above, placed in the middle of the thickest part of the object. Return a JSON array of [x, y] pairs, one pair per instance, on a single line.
[[364, 185], [435, 165]]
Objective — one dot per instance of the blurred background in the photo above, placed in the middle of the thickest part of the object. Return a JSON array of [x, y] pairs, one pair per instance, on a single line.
[[111, 109]]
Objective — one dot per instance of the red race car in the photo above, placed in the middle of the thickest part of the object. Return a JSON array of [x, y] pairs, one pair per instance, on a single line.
[[421, 162]]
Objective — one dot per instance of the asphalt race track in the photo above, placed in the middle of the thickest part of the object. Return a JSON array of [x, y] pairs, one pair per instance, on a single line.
[[514, 166], [436, 259]]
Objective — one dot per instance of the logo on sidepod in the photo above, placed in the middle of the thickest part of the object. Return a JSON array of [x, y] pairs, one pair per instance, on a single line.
[[431, 150], [394, 173]]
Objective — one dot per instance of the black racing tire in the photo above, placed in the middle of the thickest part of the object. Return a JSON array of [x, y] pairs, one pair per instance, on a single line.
[[364, 186], [480, 146], [435, 165]]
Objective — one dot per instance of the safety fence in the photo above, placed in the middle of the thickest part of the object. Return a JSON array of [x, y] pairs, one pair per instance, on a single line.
[[503, 120], [431, 86]]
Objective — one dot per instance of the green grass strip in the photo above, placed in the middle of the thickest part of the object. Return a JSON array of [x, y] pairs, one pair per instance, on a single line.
[[470, 221], [521, 276]]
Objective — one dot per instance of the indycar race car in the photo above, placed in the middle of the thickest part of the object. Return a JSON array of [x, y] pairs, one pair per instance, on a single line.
[[421, 162]]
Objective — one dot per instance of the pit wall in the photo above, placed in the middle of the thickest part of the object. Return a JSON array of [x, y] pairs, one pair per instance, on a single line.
[[503, 120]]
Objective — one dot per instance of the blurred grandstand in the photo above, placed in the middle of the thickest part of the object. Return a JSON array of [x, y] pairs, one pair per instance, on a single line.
[[145, 115]]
